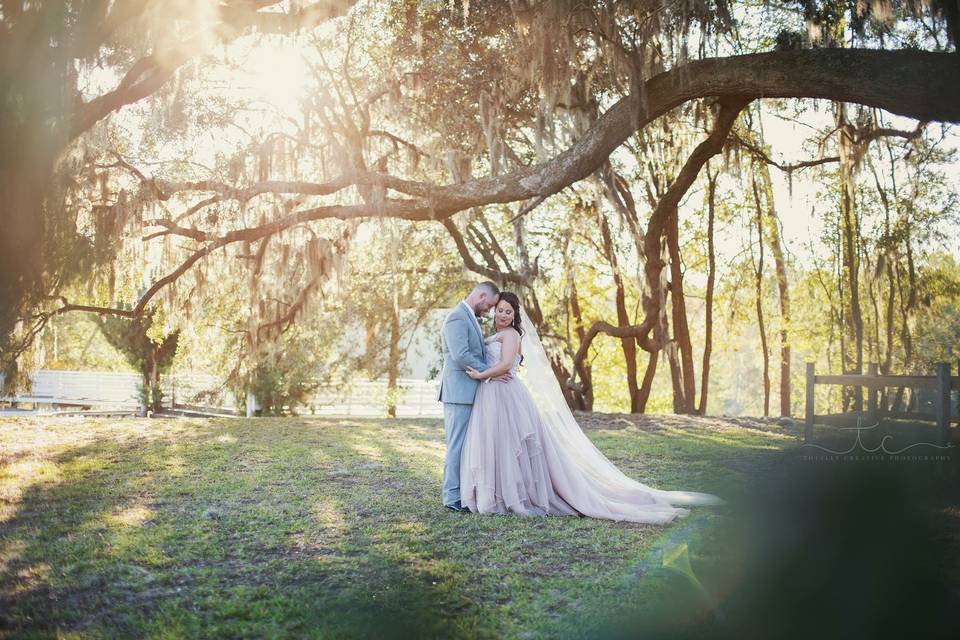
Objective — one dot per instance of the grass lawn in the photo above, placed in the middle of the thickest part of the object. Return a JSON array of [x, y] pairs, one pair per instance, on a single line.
[[304, 527]]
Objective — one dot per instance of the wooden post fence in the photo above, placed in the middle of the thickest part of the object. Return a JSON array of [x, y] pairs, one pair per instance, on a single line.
[[942, 382], [943, 402], [811, 381], [872, 371]]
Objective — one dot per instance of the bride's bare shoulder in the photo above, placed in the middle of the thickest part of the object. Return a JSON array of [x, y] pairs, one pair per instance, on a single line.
[[510, 334]]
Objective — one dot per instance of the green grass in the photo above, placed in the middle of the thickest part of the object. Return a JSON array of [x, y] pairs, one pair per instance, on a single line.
[[333, 528]]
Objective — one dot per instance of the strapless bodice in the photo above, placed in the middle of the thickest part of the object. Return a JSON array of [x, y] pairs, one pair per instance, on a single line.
[[493, 349]]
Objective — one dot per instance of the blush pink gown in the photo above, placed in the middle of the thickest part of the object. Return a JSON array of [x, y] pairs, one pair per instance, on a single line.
[[511, 464]]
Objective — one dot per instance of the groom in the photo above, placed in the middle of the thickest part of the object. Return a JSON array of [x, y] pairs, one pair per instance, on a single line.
[[463, 346]]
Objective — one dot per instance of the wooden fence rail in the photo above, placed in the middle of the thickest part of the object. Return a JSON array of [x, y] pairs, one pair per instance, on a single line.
[[942, 382]]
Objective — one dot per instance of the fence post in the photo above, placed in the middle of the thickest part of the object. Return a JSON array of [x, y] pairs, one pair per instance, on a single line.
[[858, 396], [808, 431], [872, 390], [943, 402]]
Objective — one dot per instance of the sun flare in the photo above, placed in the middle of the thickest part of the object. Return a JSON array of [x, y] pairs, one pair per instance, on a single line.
[[273, 72]]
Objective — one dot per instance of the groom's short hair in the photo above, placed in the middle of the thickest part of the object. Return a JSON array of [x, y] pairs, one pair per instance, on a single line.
[[489, 288]]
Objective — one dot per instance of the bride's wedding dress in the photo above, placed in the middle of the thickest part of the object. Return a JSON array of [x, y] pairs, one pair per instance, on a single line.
[[521, 458]]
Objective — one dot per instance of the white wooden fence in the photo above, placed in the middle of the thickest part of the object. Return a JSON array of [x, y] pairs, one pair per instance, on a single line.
[[101, 390], [416, 399]]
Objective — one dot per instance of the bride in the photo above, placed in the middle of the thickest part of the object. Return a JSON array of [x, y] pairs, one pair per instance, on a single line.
[[524, 452]]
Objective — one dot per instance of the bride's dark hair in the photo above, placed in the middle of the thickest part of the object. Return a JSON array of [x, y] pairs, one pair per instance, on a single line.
[[514, 302]]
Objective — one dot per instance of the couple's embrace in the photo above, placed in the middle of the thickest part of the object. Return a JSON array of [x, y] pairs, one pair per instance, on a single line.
[[514, 446]]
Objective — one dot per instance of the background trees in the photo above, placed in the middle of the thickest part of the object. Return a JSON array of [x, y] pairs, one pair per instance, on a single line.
[[68, 65], [613, 162], [149, 354]]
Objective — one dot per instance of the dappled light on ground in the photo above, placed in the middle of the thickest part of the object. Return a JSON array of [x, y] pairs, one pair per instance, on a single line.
[[220, 528]]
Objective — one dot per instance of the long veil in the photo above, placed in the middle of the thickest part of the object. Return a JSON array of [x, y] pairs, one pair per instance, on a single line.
[[538, 376]]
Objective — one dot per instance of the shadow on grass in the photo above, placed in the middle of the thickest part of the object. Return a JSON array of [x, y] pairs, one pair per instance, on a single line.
[[835, 547], [191, 539], [312, 528]]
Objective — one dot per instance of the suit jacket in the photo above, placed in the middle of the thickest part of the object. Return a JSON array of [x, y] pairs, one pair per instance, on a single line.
[[463, 347]]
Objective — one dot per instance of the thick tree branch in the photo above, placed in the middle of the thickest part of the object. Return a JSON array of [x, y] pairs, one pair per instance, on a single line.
[[912, 83], [917, 84]]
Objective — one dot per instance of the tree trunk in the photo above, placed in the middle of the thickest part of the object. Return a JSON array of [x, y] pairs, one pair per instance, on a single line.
[[758, 283], [644, 393], [659, 222], [628, 344], [676, 376], [908, 303], [708, 304], [681, 329], [23, 184], [849, 224], [145, 375], [887, 362], [783, 291], [393, 364], [154, 385], [583, 399], [873, 339]]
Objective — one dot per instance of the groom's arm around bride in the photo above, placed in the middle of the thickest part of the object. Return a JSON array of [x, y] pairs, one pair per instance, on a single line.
[[461, 349]]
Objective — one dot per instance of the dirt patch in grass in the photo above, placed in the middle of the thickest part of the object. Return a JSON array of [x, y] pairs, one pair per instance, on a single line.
[[659, 423]]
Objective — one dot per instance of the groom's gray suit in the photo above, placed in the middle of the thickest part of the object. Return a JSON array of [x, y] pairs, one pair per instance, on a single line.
[[463, 346]]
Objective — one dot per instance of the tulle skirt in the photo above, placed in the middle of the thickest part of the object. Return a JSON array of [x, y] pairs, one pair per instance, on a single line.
[[511, 464]]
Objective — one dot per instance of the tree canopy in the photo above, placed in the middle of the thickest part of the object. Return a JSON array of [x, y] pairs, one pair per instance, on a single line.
[[138, 171]]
